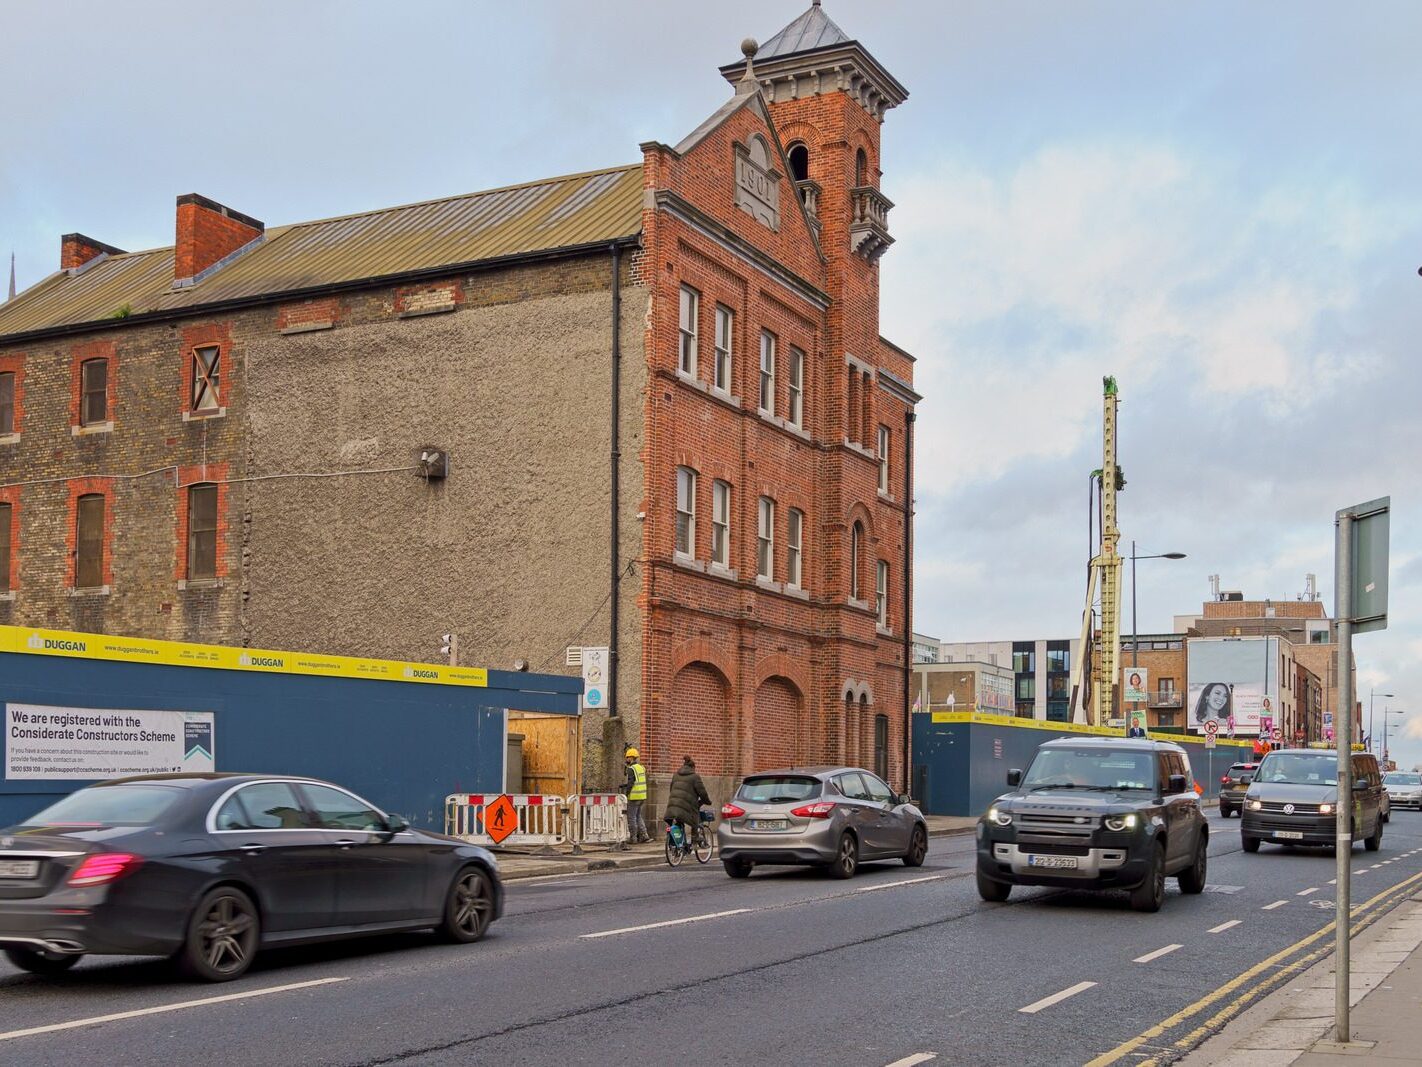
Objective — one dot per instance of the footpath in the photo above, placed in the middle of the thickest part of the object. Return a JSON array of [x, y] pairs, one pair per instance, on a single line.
[[544, 863], [1295, 1025]]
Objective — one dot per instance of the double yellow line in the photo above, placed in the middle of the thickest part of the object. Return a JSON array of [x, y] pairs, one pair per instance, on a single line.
[[1244, 999]]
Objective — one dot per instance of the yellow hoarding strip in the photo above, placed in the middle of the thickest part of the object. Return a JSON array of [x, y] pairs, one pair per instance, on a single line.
[[25, 640], [983, 718]]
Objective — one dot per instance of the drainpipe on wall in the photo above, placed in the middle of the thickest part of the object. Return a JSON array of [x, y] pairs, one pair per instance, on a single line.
[[615, 571], [908, 599]]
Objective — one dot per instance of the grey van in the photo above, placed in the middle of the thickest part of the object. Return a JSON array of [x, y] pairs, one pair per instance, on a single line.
[[1291, 800]]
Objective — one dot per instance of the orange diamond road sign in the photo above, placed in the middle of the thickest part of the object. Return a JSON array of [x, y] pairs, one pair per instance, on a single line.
[[500, 819]]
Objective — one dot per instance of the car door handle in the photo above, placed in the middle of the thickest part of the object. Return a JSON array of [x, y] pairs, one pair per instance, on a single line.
[[254, 850], [346, 842]]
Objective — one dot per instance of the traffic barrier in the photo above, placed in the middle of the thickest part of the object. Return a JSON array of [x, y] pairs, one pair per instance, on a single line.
[[540, 819], [597, 819]]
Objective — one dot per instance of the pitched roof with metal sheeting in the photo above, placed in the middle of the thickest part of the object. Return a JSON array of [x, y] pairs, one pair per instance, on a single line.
[[814, 29], [581, 209]]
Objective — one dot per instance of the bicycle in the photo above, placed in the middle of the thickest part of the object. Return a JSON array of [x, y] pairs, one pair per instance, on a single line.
[[700, 841]]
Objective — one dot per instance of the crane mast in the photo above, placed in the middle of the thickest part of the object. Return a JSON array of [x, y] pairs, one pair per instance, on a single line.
[[1096, 706]]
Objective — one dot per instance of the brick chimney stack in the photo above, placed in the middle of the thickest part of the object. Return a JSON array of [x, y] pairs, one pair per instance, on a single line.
[[75, 250], [207, 234]]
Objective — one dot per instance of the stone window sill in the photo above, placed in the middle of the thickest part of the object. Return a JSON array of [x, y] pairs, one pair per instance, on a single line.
[[730, 400], [783, 424], [8, 597], [435, 309], [196, 584], [882, 630], [203, 416], [862, 605], [308, 327], [722, 571], [796, 592], [689, 562], [9, 438], [887, 498], [763, 582], [97, 427], [856, 447], [97, 590]]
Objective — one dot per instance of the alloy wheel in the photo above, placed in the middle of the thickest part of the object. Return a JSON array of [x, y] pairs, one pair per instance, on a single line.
[[228, 934], [473, 904]]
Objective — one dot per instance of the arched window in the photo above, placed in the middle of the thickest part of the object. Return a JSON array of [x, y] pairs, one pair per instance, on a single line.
[[881, 746], [861, 168], [856, 551], [799, 161]]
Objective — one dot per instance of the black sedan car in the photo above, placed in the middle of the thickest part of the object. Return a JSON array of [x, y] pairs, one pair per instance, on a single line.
[[211, 868]]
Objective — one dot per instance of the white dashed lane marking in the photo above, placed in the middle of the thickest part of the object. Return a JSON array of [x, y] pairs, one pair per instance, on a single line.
[[1276, 904], [1306, 892], [1222, 927], [1156, 954], [1056, 998]]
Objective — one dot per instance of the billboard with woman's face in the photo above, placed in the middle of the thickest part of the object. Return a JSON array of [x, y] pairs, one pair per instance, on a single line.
[[1231, 677]]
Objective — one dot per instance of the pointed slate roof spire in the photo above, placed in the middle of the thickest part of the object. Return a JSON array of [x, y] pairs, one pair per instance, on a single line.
[[12, 277], [814, 29], [812, 55]]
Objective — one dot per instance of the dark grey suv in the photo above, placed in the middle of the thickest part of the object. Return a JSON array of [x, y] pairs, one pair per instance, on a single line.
[[1097, 813]]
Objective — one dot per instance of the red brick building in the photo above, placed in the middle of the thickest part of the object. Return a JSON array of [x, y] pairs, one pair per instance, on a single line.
[[671, 423]]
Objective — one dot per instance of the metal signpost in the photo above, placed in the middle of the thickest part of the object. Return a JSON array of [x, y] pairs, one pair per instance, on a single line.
[[1359, 602]]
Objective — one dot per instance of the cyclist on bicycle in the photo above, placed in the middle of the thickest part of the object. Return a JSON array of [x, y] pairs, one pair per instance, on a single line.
[[684, 801]]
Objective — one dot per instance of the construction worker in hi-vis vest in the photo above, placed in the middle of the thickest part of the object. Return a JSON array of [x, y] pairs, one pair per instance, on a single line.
[[636, 788]]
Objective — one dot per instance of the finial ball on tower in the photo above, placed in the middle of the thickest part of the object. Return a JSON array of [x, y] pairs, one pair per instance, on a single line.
[[749, 47]]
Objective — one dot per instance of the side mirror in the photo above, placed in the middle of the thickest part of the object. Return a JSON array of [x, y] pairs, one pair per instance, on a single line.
[[902, 798], [1014, 777], [396, 823], [1176, 783]]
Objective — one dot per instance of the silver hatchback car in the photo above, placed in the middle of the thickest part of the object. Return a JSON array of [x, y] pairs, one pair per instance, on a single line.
[[830, 817]]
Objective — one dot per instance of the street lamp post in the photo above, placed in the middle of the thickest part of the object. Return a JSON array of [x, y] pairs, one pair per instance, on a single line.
[[1135, 633], [1372, 695], [1387, 712]]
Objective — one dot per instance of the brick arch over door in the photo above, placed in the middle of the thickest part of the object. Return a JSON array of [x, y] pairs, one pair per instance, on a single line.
[[696, 721], [778, 734]]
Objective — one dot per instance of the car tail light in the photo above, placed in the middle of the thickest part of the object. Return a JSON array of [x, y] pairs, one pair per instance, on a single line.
[[732, 811], [1224, 779], [104, 867], [821, 810]]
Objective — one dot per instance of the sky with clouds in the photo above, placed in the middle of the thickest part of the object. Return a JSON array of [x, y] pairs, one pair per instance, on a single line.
[[1218, 203]]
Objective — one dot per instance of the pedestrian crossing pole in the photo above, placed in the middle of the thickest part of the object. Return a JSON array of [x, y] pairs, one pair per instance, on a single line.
[[1343, 809]]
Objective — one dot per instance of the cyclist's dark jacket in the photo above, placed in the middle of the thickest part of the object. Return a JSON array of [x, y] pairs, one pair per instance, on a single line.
[[686, 790]]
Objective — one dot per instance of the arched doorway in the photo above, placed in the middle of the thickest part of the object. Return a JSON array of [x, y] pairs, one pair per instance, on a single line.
[[776, 738], [696, 722]]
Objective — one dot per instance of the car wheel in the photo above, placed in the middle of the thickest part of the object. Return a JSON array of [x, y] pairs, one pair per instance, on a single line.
[[1251, 844], [39, 961], [1373, 843], [468, 906], [846, 857], [1150, 894], [1387, 815], [918, 848], [1192, 879], [989, 890], [1226, 811], [737, 868], [222, 936]]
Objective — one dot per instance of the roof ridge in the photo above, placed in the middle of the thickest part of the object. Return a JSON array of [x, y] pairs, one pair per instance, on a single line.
[[463, 196]]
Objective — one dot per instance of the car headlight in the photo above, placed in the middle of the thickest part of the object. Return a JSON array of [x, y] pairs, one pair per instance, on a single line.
[[1325, 809], [1255, 805], [1121, 822], [997, 815]]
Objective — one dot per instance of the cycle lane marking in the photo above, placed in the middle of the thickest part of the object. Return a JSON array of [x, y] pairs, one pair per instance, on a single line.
[[1056, 998]]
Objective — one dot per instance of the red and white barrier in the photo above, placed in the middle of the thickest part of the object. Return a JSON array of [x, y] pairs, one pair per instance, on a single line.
[[597, 819], [540, 818]]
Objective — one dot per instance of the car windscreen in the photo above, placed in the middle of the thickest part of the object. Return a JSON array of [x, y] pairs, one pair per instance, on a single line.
[[110, 805], [1090, 768], [779, 789], [1402, 778], [1242, 768], [1298, 768]]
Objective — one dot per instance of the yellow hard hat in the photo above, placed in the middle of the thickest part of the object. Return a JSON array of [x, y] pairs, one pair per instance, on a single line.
[[631, 753]]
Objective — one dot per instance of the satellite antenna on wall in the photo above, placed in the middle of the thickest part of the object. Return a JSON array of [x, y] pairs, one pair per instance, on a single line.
[[1214, 587], [1310, 587]]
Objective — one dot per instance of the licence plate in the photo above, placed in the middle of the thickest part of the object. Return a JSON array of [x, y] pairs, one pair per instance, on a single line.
[[19, 868], [767, 824], [1291, 835], [1068, 862]]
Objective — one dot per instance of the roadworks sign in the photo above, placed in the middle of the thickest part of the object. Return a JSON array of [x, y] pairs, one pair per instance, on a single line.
[[500, 819]]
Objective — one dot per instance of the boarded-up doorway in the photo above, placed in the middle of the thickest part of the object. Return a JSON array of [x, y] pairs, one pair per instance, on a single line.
[[552, 752]]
